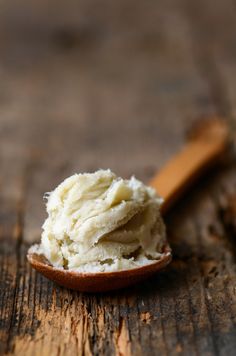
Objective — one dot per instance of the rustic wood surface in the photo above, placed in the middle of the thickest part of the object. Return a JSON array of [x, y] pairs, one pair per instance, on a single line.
[[96, 84]]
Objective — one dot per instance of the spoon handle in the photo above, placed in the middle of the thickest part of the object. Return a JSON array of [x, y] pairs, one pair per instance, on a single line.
[[198, 154]]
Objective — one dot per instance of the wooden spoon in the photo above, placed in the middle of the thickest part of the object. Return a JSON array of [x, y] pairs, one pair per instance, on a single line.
[[199, 153]]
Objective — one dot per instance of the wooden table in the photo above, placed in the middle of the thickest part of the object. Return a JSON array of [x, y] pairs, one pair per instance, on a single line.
[[116, 84]]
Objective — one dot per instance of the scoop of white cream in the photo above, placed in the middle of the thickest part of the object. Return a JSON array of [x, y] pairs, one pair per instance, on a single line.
[[98, 222]]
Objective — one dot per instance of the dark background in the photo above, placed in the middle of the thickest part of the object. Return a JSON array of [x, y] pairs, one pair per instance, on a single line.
[[105, 84]]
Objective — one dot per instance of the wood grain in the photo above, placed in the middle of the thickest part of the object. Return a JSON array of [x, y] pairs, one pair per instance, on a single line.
[[92, 85]]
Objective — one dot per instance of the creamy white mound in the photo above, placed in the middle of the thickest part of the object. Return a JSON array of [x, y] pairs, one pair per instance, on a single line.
[[98, 222]]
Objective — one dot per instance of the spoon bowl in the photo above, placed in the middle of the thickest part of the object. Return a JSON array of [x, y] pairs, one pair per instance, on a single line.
[[98, 282]]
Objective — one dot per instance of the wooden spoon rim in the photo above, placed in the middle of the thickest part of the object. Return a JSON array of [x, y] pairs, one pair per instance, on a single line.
[[39, 262]]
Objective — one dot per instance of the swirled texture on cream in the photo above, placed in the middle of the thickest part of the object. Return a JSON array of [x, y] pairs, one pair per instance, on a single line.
[[98, 222]]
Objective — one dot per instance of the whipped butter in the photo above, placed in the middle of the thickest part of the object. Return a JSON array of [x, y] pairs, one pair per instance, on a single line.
[[98, 222]]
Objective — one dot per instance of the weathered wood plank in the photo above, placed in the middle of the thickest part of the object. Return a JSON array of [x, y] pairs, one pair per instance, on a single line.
[[115, 88], [212, 31]]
